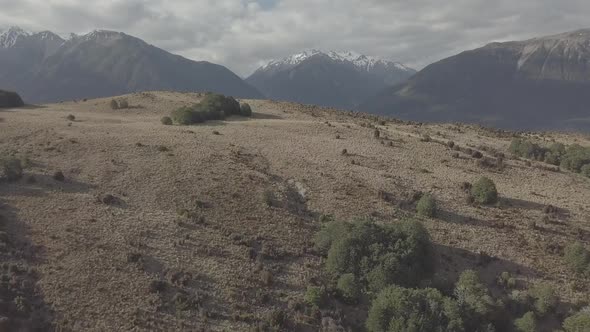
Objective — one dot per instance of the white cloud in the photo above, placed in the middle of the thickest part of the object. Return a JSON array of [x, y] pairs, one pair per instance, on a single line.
[[242, 34]]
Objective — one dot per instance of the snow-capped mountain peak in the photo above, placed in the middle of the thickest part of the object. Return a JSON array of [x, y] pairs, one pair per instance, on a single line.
[[362, 62], [11, 36]]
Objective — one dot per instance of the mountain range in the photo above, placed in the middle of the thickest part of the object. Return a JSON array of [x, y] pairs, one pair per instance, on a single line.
[[334, 79], [541, 83], [43, 67]]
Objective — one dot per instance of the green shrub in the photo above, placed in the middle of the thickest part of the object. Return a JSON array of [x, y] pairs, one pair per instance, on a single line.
[[426, 206], [545, 299], [526, 323], [12, 168], [314, 296], [70, 117], [166, 120], [348, 288], [585, 170], [186, 116], [506, 280], [377, 255], [114, 105], [245, 110], [484, 191], [579, 322], [416, 310], [577, 257]]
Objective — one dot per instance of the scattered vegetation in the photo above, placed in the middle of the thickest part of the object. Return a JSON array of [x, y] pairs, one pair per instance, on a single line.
[[545, 298], [71, 117], [114, 104], [484, 191], [575, 158]]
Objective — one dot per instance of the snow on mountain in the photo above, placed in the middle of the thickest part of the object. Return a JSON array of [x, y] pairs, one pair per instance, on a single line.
[[11, 36], [362, 62]]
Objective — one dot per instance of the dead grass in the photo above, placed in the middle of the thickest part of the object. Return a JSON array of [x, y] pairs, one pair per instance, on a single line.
[[284, 149]]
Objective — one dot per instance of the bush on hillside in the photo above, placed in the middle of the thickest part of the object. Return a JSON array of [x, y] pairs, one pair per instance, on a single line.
[[426, 206], [167, 121], [12, 168], [577, 258], [418, 310], [526, 323], [376, 255], [484, 191], [10, 99], [545, 298], [114, 105], [245, 110], [348, 288], [211, 107], [526, 149], [314, 296], [579, 322], [474, 300], [123, 104], [575, 158], [585, 170]]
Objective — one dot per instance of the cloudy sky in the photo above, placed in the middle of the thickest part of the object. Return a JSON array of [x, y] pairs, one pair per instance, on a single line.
[[243, 34]]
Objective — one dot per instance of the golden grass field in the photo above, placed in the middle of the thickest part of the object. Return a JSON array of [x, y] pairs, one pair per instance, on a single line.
[[96, 262]]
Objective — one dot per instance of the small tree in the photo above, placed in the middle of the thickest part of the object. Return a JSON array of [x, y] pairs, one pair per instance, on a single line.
[[484, 191], [426, 206], [114, 105]]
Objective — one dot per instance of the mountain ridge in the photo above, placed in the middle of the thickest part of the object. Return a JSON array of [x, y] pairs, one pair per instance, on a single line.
[[327, 78], [44, 67], [539, 83]]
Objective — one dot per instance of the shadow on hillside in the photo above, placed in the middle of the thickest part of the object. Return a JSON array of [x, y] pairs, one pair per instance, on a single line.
[[258, 116], [36, 185], [455, 218], [22, 303], [520, 204]]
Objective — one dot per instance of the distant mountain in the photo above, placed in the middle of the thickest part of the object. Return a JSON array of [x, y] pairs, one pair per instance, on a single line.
[[333, 79], [541, 83], [43, 67]]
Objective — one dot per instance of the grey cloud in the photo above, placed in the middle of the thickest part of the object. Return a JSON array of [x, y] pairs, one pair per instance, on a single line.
[[242, 34]]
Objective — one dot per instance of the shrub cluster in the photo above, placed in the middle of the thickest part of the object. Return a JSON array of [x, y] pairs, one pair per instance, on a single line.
[[578, 322], [370, 257], [575, 157], [426, 206], [212, 107]]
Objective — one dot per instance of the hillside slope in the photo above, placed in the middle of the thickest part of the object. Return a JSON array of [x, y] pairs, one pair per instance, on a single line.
[[160, 228], [540, 83]]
